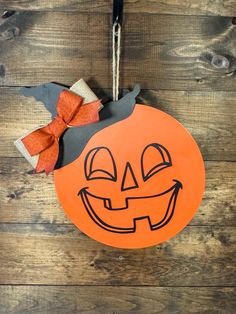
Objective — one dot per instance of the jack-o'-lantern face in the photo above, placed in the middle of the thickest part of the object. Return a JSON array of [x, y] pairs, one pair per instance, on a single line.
[[137, 183], [135, 203]]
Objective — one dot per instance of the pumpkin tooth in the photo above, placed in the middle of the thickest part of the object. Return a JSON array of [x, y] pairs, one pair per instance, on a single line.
[[107, 203]]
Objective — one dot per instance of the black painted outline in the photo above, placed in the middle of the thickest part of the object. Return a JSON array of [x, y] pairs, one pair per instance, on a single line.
[[83, 193], [158, 167], [128, 167], [112, 177]]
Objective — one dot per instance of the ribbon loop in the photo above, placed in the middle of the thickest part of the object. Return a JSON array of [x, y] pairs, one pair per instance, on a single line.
[[45, 141]]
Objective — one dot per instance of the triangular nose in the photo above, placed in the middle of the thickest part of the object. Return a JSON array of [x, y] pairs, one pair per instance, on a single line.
[[129, 181]]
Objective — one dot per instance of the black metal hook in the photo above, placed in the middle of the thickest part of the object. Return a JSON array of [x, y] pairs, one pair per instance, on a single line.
[[118, 11]]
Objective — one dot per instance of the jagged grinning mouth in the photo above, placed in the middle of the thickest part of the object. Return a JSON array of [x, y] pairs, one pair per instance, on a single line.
[[85, 195]]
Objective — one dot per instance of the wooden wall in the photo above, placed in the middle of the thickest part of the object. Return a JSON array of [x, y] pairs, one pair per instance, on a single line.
[[183, 53]]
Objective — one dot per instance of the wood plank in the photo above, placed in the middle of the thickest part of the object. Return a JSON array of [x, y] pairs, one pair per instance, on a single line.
[[29, 198], [132, 300], [61, 255], [182, 7], [207, 115], [159, 51]]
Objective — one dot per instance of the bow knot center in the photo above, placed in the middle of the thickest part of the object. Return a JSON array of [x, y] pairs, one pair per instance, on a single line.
[[57, 126]]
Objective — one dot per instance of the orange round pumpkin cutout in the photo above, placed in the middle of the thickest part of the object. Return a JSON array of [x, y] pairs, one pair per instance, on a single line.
[[137, 182]]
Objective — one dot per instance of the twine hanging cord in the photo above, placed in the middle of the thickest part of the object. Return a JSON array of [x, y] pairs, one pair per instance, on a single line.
[[116, 40]]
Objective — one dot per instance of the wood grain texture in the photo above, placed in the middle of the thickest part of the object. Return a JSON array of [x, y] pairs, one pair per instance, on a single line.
[[116, 300], [186, 62], [158, 51], [182, 7], [61, 255], [29, 198], [209, 116]]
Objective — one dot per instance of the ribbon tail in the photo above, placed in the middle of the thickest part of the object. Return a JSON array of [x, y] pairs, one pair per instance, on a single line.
[[48, 158]]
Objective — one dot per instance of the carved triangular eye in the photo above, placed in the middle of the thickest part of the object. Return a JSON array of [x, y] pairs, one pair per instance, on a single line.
[[155, 157], [99, 164]]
